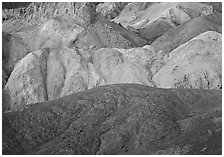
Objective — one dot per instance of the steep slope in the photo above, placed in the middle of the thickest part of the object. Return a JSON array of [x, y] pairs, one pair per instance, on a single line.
[[195, 64], [110, 9], [118, 119], [27, 82], [183, 33], [59, 32], [66, 71], [152, 21]]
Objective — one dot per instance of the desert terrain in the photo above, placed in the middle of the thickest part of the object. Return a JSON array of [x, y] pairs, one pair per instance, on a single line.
[[112, 78]]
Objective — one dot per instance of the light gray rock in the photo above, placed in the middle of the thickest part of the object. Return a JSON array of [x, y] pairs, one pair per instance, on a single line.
[[110, 9], [195, 64], [124, 66], [183, 33], [55, 75], [76, 78], [173, 13], [152, 22], [27, 84]]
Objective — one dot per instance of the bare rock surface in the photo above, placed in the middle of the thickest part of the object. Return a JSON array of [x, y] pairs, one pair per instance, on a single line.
[[217, 6], [151, 22], [36, 11], [113, 35], [118, 119], [142, 78], [195, 64], [26, 83], [124, 66], [13, 50], [59, 33], [73, 70], [77, 73], [143, 18], [183, 33], [110, 9], [136, 7], [55, 75]]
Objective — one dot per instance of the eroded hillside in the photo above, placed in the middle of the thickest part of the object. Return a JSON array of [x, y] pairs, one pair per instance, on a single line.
[[88, 78]]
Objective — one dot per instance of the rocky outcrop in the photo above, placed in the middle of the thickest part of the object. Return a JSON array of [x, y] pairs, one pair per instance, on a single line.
[[26, 83], [118, 119], [124, 66], [85, 12], [36, 11], [217, 6], [110, 9], [160, 17], [59, 33], [136, 7], [183, 33], [195, 64], [56, 73], [73, 70], [86, 77], [13, 50], [113, 35], [77, 72], [65, 15], [16, 46], [153, 13]]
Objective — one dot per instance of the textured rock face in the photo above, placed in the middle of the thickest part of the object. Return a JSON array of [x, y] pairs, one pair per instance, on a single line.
[[76, 68], [136, 7], [69, 71], [73, 70], [124, 66], [76, 82], [179, 35], [118, 119], [59, 33], [195, 64], [217, 6], [85, 12], [110, 9], [55, 75], [152, 21], [27, 82], [113, 35], [153, 13], [39, 11], [13, 50], [10, 5], [175, 37]]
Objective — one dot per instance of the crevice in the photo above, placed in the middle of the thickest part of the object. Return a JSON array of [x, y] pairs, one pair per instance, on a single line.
[[43, 68]]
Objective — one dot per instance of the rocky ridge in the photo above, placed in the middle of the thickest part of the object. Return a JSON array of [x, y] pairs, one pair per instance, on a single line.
[[58, 57], [118, 119]]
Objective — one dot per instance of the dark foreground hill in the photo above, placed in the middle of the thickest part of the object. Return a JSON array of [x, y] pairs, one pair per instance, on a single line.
[[118, 119]]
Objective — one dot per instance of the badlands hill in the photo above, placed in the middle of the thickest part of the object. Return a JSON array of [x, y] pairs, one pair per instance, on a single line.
[[89, 78]]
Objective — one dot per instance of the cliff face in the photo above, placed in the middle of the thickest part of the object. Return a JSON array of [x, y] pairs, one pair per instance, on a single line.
[[38, 11]]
